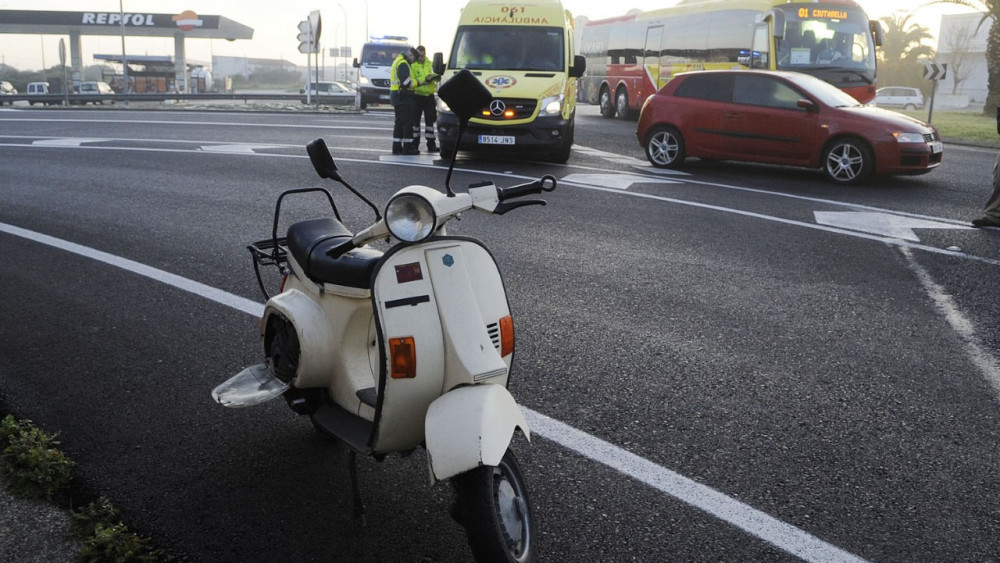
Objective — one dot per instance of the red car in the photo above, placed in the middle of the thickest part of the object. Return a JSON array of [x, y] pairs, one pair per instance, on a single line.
[[782, 118]]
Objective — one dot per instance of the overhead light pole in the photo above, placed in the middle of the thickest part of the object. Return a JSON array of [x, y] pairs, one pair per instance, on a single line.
[[121, 10]]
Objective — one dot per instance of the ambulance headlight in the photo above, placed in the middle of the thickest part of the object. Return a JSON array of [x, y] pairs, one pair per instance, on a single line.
[[552, 105], [410, 218]]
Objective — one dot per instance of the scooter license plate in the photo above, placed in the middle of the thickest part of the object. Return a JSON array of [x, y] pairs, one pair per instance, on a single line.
[[496, 140]]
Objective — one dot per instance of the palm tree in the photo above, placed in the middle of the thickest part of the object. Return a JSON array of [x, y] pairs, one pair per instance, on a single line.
[[902, 49], [991, 15]]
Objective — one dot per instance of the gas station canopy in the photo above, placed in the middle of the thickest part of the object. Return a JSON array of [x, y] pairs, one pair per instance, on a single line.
[[181, 26], [187, 23]]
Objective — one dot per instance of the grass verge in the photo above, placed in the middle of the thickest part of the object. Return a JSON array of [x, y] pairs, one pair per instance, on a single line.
[[962, 125]]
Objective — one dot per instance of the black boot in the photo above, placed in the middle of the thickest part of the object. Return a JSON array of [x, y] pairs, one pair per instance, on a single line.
[[411, 148], [397, 148], [432, 146]]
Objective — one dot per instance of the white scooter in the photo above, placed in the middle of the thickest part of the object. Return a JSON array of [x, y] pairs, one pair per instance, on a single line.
[[390, 351]]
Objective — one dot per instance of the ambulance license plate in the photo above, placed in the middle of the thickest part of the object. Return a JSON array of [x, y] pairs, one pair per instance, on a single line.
[[496, 140]]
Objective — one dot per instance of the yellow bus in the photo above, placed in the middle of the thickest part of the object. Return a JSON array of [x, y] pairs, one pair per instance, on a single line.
[[632, 56]]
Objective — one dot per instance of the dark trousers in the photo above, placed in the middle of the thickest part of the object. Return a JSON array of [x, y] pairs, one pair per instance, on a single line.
[[402, 128], [424, 107]]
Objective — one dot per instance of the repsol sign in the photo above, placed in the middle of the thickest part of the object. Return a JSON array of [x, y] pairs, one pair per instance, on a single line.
[[117, 18]]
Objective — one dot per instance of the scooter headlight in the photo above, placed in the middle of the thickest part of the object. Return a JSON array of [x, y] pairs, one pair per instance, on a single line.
[[410, 218]]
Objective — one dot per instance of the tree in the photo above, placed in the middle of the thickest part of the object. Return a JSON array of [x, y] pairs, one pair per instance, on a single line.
[[991, 14], [958, 43], [902, 49]]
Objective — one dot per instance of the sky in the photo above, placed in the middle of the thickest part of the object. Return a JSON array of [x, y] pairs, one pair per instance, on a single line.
[[344, 23]]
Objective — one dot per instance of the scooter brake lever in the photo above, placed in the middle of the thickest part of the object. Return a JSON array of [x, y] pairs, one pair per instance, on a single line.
[[506, 206]]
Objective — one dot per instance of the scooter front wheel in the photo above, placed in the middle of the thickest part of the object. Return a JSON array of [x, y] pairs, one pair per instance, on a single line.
[[494, 508]]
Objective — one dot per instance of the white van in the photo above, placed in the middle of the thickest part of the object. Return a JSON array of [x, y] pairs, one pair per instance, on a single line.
[[38, 89], [373, 69]]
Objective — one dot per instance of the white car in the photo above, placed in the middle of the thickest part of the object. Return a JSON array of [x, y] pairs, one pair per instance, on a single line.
[[7, 89], [95, 88], [899, 97]]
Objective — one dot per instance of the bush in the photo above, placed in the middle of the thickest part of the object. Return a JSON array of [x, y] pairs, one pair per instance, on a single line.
[[34, 467], [114, 542]]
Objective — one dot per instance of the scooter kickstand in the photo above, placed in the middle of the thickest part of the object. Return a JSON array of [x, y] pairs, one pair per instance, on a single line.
[[359, 504]]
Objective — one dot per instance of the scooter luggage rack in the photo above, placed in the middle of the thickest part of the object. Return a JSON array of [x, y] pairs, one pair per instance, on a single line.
[[269, 252], [274, 251]]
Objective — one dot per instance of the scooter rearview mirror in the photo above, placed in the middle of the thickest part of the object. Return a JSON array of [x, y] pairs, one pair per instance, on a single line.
[[322, 160], [319, 155], [465, 95]]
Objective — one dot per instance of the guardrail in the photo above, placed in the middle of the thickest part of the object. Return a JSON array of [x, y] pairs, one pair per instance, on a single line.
[[59, 99]]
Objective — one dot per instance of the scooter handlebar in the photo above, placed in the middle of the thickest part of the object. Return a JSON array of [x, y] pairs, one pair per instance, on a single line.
[[546, 183]]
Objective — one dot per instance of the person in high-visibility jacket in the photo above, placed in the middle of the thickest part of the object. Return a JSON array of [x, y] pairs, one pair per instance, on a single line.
[[401, 97], [425, 105]]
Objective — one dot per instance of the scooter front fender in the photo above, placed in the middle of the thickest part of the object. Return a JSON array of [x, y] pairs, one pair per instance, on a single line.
[[470, 426]]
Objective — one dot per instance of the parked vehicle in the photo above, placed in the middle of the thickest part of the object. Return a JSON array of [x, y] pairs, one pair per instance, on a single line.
[[899, 97], [39, 89], [410, 347], [95, 88], [328, 92], [7, 89], [782, 118]]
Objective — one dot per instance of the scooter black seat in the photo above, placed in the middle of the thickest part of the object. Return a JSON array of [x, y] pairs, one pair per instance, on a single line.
[[309, 241]]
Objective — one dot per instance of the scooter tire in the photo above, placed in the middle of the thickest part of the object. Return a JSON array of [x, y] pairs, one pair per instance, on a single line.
[[494, 508]]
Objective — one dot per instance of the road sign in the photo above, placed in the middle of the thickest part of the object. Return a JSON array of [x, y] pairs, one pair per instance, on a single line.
[[309, 31], [316, 22], [934, 71]]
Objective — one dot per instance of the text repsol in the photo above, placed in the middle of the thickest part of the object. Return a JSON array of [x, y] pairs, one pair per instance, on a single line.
[[113, 18]]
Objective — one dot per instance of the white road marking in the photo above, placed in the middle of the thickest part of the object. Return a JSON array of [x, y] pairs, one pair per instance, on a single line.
[[239, 148], [759, 524], [201, 123], [67, 141], [617, 181], [887, 224], [980, 357]]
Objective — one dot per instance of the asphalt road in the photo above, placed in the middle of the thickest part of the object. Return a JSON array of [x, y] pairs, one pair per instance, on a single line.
[[733, 363]]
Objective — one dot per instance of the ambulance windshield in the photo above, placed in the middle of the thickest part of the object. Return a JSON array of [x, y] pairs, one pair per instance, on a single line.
[[500, 47]]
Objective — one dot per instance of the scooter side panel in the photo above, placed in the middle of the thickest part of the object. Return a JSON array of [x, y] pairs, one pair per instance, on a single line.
[[465, 294], [407, 307], [333, 341]]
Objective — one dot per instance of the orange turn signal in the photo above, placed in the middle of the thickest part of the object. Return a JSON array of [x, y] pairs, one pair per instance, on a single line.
[[506, 336], [402, 358]]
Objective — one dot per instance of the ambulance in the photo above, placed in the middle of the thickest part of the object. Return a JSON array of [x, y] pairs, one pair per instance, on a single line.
[[523, 52]]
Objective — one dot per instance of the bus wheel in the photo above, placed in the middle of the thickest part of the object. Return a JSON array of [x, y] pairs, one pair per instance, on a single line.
[[607, 108], [665, 147], [621, 104]]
